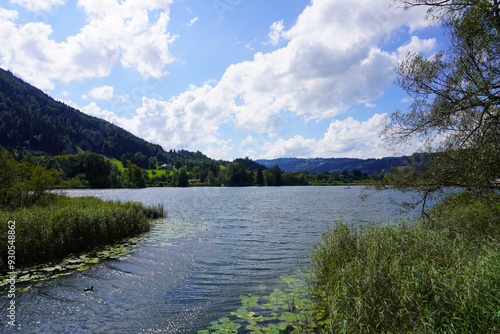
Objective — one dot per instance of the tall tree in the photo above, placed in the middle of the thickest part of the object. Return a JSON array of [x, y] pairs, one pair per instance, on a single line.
[[259, 177], [182, 178], [97, 170], [237, 175], [456, 98], [134, 177], [273, 176]]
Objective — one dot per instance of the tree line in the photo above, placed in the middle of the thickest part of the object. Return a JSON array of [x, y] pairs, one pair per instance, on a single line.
[[92, 170]]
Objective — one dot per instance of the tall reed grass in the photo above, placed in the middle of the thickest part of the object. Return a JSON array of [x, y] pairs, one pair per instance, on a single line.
[[59, 225], [413, 277]]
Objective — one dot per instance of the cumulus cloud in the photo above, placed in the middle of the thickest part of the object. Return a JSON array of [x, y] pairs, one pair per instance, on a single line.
[[332, 61], [249, 139], [275, 33], [418, 45], [37, 5], [118, 32], [102, 93], [347, 138]]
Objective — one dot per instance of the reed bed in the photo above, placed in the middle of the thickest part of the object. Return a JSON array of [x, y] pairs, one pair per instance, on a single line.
[[59, 225], [413, 277]]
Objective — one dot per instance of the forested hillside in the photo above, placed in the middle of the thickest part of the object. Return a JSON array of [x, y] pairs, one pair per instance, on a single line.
[[332, 165], [30, 120]]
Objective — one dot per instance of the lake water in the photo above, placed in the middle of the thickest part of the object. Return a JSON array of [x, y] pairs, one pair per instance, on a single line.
[[215, 245]]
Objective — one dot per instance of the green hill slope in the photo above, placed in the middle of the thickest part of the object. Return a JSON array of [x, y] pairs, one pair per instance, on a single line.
[[30, 120]]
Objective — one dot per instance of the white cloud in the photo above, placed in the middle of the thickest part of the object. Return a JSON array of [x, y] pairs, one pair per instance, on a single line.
[[219, 150], [102, 93], [332, 61], [193, 21], [118, 32], [275, 33], [191, 118], [418, 45], [347, 138], [37, 5], [296, 146], [352, 138], [248, 140]]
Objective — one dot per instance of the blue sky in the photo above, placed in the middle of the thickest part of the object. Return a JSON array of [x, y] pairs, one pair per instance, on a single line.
[[230, 78]]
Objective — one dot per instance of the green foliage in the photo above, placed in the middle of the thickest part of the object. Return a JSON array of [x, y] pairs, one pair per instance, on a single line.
[[182, 178], [97, 170], [59, 225], [456, 99], [22, 184], [414, 277], [237, 175], [133, 176], [259, 178], [467, 214], [273, 176], [250, 164]]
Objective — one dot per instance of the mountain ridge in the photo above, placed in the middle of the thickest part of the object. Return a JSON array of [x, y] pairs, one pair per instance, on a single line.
[[31, 120], [332, 165]]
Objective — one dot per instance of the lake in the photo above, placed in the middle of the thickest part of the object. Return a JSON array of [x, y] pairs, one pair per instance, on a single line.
[[191, 268]]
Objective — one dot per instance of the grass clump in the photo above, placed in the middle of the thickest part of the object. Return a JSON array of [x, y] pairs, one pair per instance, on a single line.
[[58, 225], [418, 277]]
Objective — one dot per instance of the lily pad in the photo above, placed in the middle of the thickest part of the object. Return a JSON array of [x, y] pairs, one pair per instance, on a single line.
[[224, 319], [291, 308]]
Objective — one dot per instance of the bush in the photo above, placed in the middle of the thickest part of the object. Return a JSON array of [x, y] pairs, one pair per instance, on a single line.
[[410, 277]]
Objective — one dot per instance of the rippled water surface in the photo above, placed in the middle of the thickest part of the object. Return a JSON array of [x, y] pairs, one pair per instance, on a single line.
[[191, 268]]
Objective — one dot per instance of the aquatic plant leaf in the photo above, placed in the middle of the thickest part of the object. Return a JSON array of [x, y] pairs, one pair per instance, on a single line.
[[61, 274], [286, 309], [26, 288], [282, 326], [224, 319], [82, 268]]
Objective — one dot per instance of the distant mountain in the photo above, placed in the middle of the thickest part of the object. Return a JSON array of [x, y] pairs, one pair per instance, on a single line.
[[321, 165], [30, 120]]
